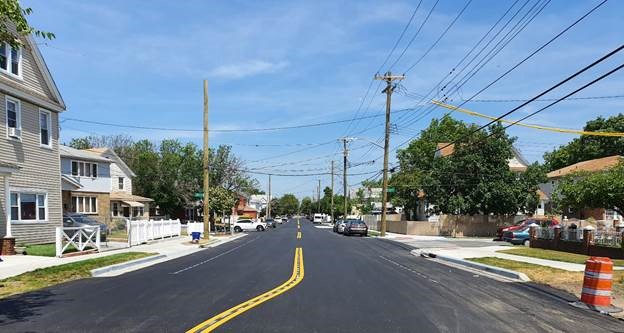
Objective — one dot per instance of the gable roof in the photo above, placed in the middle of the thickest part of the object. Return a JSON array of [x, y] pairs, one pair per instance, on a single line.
[[594, 165], [109, 153], [69, 152], [45, 71]]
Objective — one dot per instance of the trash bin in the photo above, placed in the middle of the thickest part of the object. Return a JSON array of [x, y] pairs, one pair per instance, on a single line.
[[195, 236]]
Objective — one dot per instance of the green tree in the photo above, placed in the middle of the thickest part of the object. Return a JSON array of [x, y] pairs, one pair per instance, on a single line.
[[474, 179], [592, 190], [306, 206], [289, 204], [13, 23], [220, 200], [589, 147]]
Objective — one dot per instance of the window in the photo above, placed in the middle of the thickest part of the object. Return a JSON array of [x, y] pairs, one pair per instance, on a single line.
[[28, 206], [84, 204], [13, 117], [44, 128], [115, 209], [120, 181], [137, 211], [10, 59], [84, 169]]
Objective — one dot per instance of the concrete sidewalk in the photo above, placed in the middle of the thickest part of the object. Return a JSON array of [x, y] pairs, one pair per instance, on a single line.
[[171, 248]]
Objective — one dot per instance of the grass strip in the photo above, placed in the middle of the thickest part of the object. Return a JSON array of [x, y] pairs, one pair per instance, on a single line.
[[49, 276], [553, 255]]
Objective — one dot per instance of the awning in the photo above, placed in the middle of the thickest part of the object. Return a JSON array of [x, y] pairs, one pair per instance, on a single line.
[[133, 204]]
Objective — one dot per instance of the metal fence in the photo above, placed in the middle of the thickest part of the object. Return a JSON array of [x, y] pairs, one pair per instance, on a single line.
[[142, 231], [572, 234], [609, 237], [545, 233]]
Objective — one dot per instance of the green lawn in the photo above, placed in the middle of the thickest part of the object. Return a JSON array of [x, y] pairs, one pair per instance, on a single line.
[[373, 233], [47, 250], [553, 255], [50, 276]]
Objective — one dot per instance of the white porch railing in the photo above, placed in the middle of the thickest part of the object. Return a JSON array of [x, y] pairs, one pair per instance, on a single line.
[[142, 231], [79, 237]]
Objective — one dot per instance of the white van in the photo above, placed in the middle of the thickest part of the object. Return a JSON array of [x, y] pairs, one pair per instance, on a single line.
[[318, 218]]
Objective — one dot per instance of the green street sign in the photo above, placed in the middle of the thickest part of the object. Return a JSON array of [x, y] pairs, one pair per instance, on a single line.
[[390, 190]]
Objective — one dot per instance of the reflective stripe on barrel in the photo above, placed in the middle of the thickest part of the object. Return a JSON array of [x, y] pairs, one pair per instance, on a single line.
[[598, 281]]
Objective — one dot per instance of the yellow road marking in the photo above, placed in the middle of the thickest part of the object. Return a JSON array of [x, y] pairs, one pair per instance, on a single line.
[[298, 234], [223, 317]]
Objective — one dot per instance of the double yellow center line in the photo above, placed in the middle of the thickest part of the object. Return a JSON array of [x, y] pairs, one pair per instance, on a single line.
[[223, 317]]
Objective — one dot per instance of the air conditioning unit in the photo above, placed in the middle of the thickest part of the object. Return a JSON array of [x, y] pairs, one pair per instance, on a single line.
[[15, 132]]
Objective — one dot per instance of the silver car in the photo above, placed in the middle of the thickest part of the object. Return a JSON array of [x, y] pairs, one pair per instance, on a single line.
[[339, 226]]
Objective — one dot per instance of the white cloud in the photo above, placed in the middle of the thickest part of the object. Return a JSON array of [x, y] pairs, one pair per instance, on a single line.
[[248, 68]]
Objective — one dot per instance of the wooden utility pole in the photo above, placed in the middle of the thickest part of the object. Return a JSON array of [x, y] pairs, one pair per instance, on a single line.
[[332, 191], [318, 197], [388, 77], [269, 201], [344, 175], [206, 166]]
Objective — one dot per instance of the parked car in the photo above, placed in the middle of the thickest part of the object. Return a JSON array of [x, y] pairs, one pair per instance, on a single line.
[[283, 220], [318, 218], [355, 227], [544, 222], [249, 225], [270, 223], [75, 220], [337, 225], [517, 237]]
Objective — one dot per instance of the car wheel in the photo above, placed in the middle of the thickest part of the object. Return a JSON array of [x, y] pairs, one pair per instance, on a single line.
[[238, 229], [260, 228], [526, 242]]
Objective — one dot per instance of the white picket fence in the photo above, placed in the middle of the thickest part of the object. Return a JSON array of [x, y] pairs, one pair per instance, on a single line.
[[194, 227], [80, 238], [143, 231]]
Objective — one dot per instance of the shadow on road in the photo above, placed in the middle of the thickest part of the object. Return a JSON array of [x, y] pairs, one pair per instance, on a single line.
[[21, 307]]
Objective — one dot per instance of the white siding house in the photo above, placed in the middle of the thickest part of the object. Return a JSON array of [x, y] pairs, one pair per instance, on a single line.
[[30, 187]]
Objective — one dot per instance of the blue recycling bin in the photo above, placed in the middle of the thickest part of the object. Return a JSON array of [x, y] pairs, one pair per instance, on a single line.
[[195, 235]]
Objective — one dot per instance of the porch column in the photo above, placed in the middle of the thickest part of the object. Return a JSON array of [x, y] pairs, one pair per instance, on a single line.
[[7, 204]]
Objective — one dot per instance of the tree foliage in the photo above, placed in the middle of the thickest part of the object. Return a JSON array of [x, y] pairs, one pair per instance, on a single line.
[[306, 206], [13, 23], [289, 204], [589, 147], [172, 172], [592, 190], [474, 179]]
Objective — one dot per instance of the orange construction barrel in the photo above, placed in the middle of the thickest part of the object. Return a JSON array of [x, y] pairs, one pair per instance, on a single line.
[[597, 282]]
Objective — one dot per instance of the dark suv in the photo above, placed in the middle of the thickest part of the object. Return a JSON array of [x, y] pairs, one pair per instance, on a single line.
[[355, 227], [73, 220]]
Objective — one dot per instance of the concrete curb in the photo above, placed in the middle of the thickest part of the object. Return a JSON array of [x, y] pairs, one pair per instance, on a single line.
[[217, 242], [487, 268], [125, 265]]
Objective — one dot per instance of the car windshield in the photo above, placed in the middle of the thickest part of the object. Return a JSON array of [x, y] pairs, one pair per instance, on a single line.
[[83, 219]]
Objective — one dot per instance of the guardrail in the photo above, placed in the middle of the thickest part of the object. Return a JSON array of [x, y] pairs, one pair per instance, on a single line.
[[143, 231], [79, 237]]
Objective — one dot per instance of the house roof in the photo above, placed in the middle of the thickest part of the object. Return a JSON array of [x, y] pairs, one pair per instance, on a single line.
[[123, 196], [108, 153], [45, 71], [71, 181], [517, 164], [70, 152], [445, 149], [594, 165]]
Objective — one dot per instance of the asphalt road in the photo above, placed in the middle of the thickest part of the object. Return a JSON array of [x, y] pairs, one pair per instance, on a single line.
[[351, 284]]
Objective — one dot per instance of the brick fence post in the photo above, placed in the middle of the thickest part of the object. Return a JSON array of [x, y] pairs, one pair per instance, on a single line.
[[532, 233], [588, 238], [557, 236]]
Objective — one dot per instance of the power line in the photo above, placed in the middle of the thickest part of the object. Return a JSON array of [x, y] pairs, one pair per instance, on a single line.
[[584, 69], [545, 99], [400, 37], [415, 35]]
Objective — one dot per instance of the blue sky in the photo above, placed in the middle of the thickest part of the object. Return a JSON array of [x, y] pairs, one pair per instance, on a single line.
[[272, 63]]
